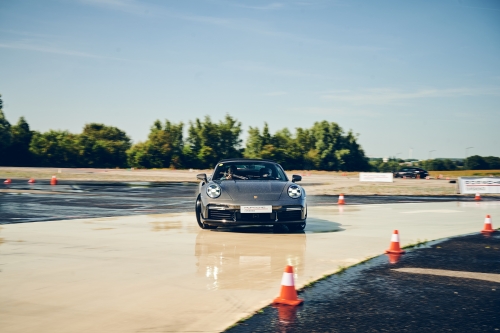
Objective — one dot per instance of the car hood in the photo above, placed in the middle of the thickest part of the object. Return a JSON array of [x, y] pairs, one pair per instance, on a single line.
[[265, 190]]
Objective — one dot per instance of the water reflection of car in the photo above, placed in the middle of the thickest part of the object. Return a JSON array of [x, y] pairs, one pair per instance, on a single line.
[[250, 192], [411, 173], [233, 261]]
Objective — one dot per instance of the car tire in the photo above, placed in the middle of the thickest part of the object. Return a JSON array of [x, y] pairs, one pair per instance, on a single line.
[[297, 226], [198, 215]]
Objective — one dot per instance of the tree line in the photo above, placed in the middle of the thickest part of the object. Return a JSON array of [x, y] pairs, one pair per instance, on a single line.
[[324, 146], [474, 162]]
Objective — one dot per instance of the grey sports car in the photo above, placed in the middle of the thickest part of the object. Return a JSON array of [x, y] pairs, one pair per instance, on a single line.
[[250, 192]]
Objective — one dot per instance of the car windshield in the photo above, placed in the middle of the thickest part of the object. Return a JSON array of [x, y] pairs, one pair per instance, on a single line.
[[248, 171]]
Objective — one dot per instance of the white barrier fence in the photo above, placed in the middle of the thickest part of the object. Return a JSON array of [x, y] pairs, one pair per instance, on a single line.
[[471, 185], [376, 177]]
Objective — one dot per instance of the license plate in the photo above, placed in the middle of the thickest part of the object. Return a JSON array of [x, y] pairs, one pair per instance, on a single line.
[[256, 209]]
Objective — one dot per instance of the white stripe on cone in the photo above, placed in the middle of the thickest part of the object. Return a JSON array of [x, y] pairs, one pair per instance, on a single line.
[[287, 280], [487, 220], [395, 238]]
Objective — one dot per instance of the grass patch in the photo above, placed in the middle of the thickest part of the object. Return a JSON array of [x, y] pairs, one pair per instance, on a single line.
[[341, 270], [418, 244]]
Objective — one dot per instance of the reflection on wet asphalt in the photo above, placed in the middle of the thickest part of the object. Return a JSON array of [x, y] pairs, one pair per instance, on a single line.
[[74, 200], [92, 199], [224, 263], [375, 297]]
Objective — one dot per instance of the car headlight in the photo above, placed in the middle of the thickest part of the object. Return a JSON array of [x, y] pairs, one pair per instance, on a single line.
[[294, 191], [213, 191]]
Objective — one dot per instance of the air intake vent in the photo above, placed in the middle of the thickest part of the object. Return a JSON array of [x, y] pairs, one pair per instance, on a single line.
[[293, 215], [220, 215]]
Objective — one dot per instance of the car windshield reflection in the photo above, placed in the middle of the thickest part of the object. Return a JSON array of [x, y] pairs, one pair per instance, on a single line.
[[249, 171]]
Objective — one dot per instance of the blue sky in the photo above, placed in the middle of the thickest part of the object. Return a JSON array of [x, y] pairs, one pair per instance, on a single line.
[[423, 75]]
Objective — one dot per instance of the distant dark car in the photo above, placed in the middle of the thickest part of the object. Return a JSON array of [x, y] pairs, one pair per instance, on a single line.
[[411, 173], [250, 192]]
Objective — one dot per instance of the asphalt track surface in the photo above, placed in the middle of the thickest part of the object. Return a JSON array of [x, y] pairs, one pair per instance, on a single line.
[[68, 200], [371, 297], [375, 297]]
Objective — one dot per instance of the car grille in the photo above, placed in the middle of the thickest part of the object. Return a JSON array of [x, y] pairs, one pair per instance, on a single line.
[[291, 215], [256, 217], [220, 214]]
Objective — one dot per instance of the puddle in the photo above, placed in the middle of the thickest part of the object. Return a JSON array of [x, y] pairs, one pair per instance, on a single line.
[[315, 225], [230, 260], [166, 226], [185, 226]]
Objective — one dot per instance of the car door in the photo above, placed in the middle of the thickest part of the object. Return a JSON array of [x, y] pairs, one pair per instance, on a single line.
[[403, 172]]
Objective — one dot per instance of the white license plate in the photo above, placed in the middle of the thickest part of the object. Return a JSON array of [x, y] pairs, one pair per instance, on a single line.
[[256, 209]]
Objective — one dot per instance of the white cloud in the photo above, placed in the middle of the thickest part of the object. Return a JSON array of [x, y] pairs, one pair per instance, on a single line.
[[242, 24], [50, 49], [388, 96]]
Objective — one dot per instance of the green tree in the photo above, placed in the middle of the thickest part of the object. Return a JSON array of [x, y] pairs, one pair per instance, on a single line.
[[476, 162], [493, 162], [208, 142], [322, 147], [5, 136], [163, 149], [103, 146], [18, 152], [353, 157], [254, 143], [55, 149]]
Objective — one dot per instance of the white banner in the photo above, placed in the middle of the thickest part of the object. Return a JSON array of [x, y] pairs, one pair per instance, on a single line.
[[471, 185], [376, 177]]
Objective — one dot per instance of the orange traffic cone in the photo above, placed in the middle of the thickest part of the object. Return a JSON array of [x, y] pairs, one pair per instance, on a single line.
[[393, 257], [31, 181], [286, 314], [7, 181], [395, 244], [53, 180], [488, 228], [478, 197], [341, 200], [288, 293]]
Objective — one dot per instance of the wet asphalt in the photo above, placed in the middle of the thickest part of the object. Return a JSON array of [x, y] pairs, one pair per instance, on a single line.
[[374, 297], [76, 199], [370, 297]]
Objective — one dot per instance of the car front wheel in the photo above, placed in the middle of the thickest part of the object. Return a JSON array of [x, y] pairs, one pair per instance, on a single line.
[[198, 215]]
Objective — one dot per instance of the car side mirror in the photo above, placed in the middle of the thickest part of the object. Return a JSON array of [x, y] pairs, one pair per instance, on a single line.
[[202, 177], [296, 178]]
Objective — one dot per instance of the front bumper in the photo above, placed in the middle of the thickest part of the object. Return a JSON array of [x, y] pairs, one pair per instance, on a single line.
[[230, 215]]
